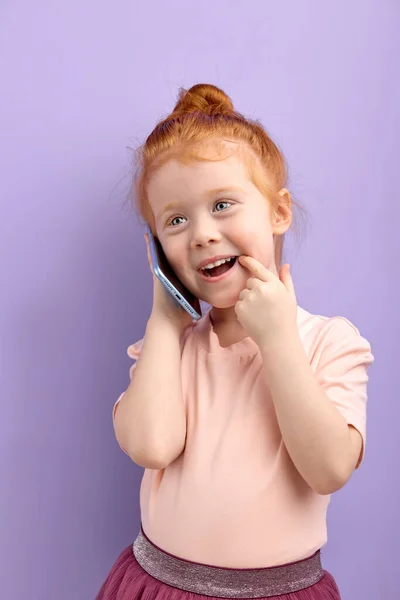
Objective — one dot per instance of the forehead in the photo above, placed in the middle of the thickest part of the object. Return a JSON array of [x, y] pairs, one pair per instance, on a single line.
[[179, 181]]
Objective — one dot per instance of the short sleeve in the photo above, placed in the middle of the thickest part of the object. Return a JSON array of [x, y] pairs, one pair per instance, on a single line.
[[133, 352], [342, 372]]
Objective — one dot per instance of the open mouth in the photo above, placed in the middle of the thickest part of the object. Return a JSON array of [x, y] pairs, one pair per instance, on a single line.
[[224, 265]]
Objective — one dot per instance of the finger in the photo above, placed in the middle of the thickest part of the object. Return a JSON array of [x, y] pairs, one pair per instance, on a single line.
[[240, 308], [252, 282], [146, 237], [256, 268], [286, 278]]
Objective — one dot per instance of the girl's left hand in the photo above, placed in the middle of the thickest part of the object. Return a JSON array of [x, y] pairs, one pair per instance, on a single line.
[[267, 306]]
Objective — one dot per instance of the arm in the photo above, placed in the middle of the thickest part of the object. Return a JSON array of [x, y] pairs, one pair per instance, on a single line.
[[150, 422], [323, 447], [313, 411]]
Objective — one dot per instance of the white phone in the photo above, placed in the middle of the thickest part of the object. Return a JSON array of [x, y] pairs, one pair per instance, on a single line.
[[164, 272]]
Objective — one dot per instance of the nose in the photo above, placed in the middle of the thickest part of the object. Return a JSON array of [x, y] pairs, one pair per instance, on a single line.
[[204, 233]]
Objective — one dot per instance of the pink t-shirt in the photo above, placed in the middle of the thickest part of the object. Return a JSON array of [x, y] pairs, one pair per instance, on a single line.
[[234, 498]]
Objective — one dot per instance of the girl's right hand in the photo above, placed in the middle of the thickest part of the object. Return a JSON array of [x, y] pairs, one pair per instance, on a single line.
[[165, 307]]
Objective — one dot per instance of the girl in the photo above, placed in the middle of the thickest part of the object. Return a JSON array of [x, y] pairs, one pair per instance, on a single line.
[[247, 420]]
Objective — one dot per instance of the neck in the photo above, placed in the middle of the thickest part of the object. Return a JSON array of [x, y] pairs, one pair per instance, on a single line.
[[223, 315], [226, 326]]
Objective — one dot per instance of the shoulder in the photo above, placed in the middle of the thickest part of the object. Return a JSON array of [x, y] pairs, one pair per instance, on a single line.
[[334, 333], [135, 349]]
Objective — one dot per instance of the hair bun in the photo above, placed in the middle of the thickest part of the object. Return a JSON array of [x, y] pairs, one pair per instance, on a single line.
[[205, 98]]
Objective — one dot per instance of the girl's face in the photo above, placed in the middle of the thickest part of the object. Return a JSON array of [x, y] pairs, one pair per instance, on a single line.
[[207, 210]]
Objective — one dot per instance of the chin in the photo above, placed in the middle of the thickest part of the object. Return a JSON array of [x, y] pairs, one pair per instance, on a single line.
[[227, 302]]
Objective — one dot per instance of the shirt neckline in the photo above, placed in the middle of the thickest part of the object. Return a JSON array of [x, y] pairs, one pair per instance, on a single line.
[[208, 340]]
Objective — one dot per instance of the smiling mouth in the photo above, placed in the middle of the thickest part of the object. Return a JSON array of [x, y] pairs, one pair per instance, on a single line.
[[220, 269]]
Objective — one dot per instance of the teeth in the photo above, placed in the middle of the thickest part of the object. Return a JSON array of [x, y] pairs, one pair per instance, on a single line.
[[218, 262]]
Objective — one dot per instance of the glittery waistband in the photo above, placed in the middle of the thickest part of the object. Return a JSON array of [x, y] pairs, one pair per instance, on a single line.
[[226, 582]]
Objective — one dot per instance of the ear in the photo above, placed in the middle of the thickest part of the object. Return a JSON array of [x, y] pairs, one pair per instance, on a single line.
[[282, 213]]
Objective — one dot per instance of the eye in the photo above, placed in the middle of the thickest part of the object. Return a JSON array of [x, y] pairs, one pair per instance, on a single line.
[[221, 202], [174, 219]]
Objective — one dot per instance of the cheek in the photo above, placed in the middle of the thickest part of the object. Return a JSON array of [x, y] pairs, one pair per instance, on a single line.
[[176, 258], [258, 243], [254, 233], [253, 223]]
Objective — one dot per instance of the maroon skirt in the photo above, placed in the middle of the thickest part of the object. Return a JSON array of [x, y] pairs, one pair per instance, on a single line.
[[146, 572]]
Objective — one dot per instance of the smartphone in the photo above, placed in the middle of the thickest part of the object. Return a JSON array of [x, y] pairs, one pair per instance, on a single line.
[[164, 272]]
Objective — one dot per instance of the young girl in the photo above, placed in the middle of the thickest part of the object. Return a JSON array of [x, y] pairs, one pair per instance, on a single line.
[[247, 420]]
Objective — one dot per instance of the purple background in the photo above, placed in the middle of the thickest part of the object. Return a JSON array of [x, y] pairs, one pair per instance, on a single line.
[[81, 81]]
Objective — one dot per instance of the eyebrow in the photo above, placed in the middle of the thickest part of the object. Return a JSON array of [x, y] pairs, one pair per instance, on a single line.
[[224, 189], [229, 188]]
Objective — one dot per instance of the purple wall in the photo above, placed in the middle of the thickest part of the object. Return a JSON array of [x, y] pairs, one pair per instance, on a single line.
[[81, 81]]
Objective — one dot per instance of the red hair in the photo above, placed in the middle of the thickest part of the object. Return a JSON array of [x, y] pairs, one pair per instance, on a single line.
[[205, 115]]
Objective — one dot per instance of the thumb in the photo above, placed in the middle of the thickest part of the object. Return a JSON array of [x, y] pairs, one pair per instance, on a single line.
[[286, 278]]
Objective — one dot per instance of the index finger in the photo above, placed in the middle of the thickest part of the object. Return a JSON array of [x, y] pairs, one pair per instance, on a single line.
[[146, 237], [256, 268]]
